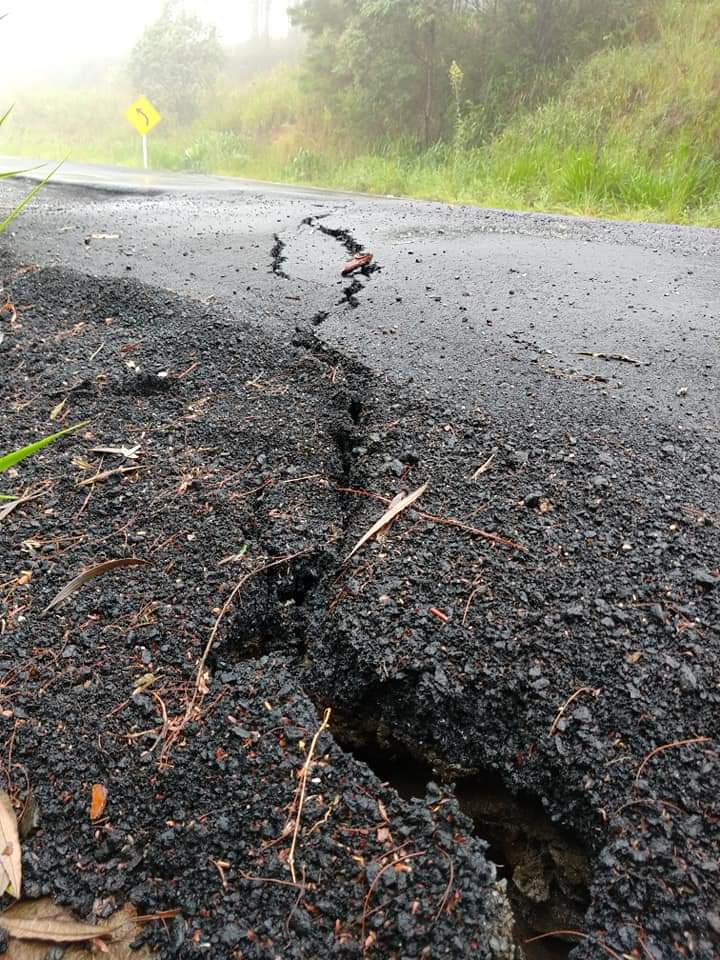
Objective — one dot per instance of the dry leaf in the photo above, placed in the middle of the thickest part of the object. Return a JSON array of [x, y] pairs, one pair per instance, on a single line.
[[614, 356], [122, 925], [56, 411], [634, 657], [129, 453], [55, 929], [30, 818], [381, 534], [98, 801], [10, 853], [357, 263], [102, 477], [143, 682], [90, 574], [389, 515], [383, 835]]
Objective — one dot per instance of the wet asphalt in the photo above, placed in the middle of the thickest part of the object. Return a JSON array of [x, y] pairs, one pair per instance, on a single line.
[[557, 382], [493, 308]]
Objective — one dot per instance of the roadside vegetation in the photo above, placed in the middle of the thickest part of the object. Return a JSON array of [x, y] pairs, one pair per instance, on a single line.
[[604, 107]]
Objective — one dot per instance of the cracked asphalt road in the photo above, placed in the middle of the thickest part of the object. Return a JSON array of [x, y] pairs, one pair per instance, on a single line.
[[579, 358], [491, 307]]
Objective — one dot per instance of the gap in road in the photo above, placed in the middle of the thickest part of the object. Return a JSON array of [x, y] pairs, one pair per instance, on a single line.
[[352, 247], [547, 870]]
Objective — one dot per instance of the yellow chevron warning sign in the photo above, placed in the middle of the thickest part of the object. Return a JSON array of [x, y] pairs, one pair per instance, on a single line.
[[143, 116]]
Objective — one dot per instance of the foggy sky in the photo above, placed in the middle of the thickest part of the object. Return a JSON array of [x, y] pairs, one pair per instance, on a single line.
[[40, 35]]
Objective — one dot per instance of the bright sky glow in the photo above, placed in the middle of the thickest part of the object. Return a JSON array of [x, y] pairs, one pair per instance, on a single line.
[[41, 35]]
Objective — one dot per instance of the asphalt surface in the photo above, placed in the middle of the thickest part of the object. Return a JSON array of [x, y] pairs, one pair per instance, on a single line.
[[496, 308], [542, 626]]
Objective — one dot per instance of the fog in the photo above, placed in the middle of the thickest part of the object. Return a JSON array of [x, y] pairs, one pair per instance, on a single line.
[[571, 106], [40, 37]]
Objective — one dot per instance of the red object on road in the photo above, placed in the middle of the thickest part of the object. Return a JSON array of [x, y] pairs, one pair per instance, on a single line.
[[357, 263]]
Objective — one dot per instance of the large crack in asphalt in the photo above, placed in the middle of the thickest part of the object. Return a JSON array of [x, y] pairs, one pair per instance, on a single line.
[[278, 258], [352, 247], [536, 677], [396, 729], [546, 869]]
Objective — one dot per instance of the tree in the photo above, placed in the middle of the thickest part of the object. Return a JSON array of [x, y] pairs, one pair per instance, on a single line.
[[381, 66], [176, 61], [261, 19]]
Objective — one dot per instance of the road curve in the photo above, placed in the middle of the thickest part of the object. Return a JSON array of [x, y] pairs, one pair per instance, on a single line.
[[133, 180]]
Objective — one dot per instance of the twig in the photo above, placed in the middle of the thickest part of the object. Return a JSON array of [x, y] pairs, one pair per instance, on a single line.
[[106, 474], [475, 531], [595, 691], [448, 889], [198, 692], [303, 784], [444, 521], [86, 501], [310, 476], [667, 746], [368, 895], [473, 593], [363, 493], [185, 373], [301, 893], [165, 722], [485, 466], [328, 813], [649, 800], [162, 915], [576, 933], [283, 883]]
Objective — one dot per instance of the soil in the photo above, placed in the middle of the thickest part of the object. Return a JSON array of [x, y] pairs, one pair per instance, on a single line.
[[548, 625]]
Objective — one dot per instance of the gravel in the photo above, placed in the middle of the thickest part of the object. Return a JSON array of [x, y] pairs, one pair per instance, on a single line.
[[578, 663]]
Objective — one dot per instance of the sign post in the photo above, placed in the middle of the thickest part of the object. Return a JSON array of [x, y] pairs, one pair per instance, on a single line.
[[143, 117]]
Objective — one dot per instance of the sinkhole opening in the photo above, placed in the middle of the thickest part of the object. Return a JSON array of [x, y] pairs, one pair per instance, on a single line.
[[547, 869]]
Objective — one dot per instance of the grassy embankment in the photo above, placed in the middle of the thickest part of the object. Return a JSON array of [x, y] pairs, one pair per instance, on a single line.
[[635, 133]]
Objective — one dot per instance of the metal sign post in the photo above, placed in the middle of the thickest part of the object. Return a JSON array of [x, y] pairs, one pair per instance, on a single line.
[[145, 152]]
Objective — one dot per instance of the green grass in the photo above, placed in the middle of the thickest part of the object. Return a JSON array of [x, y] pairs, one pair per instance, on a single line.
[[9, 460], [635, 134]]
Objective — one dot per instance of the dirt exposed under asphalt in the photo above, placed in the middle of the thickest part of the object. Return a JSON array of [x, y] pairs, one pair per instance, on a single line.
[[544, 633]]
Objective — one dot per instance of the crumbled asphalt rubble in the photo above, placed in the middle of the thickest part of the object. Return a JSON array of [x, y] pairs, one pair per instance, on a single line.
[[562, 664], [225, 448]]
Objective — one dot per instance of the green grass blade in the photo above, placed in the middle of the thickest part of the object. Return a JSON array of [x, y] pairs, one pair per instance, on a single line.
[[6, 114], [10, 459], [23, 203], [20, 173]]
